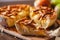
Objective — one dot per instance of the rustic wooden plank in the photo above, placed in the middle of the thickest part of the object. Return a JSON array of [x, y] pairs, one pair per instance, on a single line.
[[14, 33], [4, 36]]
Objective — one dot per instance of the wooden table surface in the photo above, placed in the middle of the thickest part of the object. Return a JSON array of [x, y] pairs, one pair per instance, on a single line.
[[4, 36]]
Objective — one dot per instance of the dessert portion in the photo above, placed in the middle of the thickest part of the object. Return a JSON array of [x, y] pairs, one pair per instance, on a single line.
[[11, 13], [37, 23], [27, 26], [44, 17], [29, 20]]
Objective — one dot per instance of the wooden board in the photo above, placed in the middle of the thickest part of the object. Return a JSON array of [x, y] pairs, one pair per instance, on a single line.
[[4, 36], [13, 32]]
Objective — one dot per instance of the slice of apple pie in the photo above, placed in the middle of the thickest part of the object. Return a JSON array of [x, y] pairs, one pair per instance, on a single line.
[[44, 17], [37, 22], [26, 26], [11, 13]]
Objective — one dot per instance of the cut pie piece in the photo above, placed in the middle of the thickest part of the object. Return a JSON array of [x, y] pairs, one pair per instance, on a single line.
[[44, 17], [11, 13], [26, 26]]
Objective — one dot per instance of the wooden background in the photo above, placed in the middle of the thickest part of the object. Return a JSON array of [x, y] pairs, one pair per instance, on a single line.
[[4, 36], [11, 2]]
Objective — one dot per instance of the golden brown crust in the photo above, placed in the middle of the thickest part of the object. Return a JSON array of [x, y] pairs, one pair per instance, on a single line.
[[25, 26], [44, 11], [12, 9], [14, 12], [44, 16], [32, 25], [27, 21]]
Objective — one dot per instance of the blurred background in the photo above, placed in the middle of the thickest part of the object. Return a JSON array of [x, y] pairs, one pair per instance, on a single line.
[[10, 2], [13, 0]]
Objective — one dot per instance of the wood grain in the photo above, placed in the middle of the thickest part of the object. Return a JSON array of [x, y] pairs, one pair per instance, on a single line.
[[4, 36]]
